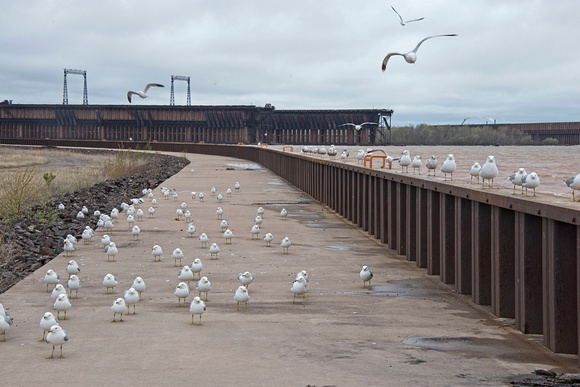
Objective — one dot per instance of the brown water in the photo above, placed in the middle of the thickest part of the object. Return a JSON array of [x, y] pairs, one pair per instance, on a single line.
[[553, 164]]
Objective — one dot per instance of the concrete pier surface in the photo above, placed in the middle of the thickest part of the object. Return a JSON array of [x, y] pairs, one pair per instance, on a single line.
[[407, 329]]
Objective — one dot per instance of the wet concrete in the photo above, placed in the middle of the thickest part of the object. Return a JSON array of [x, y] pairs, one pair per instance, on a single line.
[[407, 329]]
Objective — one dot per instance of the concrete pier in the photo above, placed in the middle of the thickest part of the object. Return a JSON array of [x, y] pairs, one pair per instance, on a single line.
[[409, 328]]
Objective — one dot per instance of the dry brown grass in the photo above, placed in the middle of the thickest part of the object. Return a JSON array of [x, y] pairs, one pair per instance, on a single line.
[[72, 170]]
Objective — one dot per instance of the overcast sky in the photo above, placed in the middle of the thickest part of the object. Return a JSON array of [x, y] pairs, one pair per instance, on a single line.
[[512, 61]]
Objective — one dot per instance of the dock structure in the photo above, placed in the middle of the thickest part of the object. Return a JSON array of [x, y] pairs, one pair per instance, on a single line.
[[519, 256], [247, 124]]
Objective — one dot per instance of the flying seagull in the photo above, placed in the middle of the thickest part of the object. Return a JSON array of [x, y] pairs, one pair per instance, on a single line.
[[142, 94], [411, 56], [405, 22], [359, 127]]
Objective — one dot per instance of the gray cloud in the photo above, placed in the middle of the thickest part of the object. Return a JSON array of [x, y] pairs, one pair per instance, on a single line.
[[512, 62]]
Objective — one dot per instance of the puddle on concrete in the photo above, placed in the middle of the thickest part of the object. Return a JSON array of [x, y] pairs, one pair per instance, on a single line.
[[245, 165], [316, 224], [339, 248], [277, 182], [451, 343]]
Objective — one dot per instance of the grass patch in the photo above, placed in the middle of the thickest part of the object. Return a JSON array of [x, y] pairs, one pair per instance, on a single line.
[[24, 183]]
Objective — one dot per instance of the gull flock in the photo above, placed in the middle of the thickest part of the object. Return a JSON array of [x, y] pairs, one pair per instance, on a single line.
[[480, 174], [192, 263]]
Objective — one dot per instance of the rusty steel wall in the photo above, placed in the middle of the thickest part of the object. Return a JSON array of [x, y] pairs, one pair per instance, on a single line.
[[518, 255]]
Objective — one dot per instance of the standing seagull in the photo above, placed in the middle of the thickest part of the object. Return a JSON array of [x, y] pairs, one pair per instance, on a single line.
[[448, 166], [411, 56], [142, 94], [405, 22], [56, 336], [366, 275], [574, 183], [488, 171]]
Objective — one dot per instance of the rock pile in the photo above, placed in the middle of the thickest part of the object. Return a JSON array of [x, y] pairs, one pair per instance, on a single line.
[[37, 237]]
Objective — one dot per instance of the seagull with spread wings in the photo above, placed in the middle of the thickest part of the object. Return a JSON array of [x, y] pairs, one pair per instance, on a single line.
[[401, 19], [143, 93], [411, 56]]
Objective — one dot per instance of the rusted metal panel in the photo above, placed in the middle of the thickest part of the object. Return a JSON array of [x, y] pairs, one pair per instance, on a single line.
[[411, 222], [528, 273], [559, 286], [447, 238], [392, 215], [481, 253], [421, 225], [433, 233], [384, 211], [463, 250], [503, 262], [401, 220]]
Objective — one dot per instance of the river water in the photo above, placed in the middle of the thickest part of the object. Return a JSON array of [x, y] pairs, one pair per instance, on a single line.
[[553, 164]]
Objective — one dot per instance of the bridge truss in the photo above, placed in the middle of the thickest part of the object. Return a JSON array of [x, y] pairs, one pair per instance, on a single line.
[[180, 78]]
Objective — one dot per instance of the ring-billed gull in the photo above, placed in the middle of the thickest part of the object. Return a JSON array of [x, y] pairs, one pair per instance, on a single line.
[[220, 198], [139, 214], [203, 286], [181, 291], [268, 238], [213, 191], [130, 221], [237, 186], [411, 56], [156, 251], [109, 282], [304, 274], [219, 212], [405, 161], [224, 225], [5, 322], [61, 207], [258, 220], [366, 275], [299, 289], [431, 165], [142, 93], [241, 295], [62, 303], [185, 274], [448, 166], [51, 278], [69, 247], [191, 229], [177, 254], [200, 196], [403, 23], [111, 251], [417, 163], [153, 204], [135, 232], [574, 183], [179, 214], [261, 212], [255, 231], [187, 215], [228, 235], [46, 322], [131, 297], [72, 267], [56, 336], [284, 213], [105, 240], [118, 307], [74, 283], [531, 181], [139, 285], [488, 171], [214, 251], [203, 238], [285, 243], [197, 306], [474, 172], [196, 267], [57, 291], [229, 192], [516, 178], [80, 215], [86, 236], [246, 278]]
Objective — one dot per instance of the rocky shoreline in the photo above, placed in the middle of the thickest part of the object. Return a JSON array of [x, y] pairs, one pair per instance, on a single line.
[[37, 237]]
